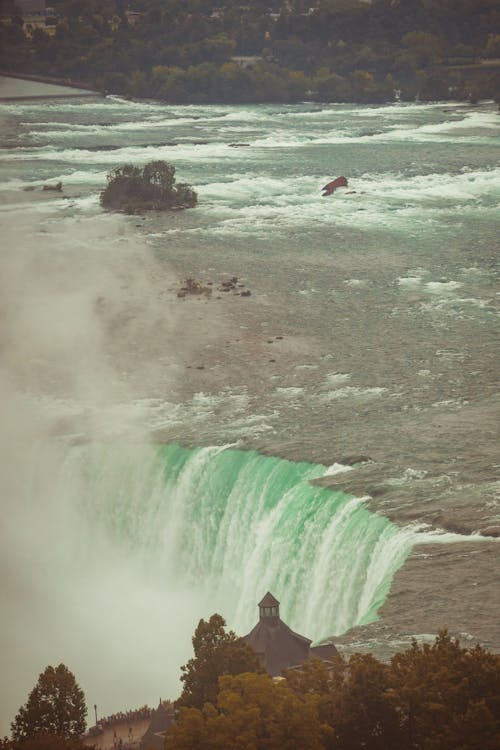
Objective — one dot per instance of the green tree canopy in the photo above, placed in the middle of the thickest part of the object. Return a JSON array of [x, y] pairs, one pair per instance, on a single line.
[[45, 741], [55, 705], [252, 712], [436, 696], [134, 189], [216, 653], [447, 696]]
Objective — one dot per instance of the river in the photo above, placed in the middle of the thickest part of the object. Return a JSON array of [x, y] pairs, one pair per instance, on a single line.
[[331, 436]]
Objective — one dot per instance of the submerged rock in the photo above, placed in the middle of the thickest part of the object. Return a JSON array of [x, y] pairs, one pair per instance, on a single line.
[[193, 287], [57, 186]]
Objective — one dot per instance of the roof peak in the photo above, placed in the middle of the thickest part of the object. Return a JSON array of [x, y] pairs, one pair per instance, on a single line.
[[269, 601]]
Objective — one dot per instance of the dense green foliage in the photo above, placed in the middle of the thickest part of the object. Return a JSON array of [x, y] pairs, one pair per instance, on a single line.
[[45, 741], [432, 697], [216, 653], [328, 50], [56, 705], [153, 187], [250, 712]]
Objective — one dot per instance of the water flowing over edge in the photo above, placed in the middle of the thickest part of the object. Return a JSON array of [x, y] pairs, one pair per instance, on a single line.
[[235, 524]]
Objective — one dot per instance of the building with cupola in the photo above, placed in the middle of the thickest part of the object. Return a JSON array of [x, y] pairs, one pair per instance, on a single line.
[[278, 646]]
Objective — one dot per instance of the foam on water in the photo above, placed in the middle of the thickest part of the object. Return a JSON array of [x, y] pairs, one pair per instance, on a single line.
[[254, 523], [78, 177], [442, 287], [247, 198], [290, 392], [172, 534], [351, 392]]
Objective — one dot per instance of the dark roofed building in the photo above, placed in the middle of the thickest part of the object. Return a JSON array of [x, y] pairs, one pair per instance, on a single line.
[[278, 646], [162, 718], [325, 651]]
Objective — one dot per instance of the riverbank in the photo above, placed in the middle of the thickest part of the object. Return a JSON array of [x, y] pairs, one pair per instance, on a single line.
[[14, 86]]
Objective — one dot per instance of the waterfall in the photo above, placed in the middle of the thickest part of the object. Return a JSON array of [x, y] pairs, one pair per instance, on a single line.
[[118, 549], [234, 524]]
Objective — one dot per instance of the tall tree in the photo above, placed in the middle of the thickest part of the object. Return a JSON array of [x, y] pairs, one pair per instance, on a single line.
[[216, 653], [55, 705]]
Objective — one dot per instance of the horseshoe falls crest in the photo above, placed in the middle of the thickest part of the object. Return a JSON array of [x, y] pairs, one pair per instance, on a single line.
[[231, 524], [331, 437]]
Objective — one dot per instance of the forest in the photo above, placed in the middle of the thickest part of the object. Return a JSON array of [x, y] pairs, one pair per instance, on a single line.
[[435, 696], [225, 51]]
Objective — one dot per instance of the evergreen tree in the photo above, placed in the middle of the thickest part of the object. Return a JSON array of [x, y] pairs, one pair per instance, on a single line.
[[55, 705]]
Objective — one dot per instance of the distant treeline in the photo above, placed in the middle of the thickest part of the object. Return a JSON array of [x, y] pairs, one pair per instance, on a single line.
[[332, 50]]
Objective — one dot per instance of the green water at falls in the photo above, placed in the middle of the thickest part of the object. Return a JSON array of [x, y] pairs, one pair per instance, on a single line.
[[236, 524]]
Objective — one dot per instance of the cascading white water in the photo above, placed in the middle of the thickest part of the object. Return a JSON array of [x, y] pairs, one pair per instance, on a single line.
[[231, 525]]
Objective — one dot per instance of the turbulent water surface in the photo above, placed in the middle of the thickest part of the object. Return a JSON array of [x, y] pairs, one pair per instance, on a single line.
[[332, 437]]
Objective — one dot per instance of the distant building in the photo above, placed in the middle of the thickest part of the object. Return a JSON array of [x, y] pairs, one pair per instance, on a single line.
[[143, 729], [278, 646], [162, 718]]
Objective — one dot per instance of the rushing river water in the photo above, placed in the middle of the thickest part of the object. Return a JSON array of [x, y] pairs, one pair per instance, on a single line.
[[339, 424]]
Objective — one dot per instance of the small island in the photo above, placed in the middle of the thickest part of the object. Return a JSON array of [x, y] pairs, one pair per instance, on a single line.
[[152, 188]]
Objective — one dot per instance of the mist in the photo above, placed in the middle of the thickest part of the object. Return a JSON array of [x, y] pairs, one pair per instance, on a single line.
[[89, 334]]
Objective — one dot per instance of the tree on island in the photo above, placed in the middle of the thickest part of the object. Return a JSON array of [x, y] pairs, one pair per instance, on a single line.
[[55, 706], [152, 188], [216, 653]]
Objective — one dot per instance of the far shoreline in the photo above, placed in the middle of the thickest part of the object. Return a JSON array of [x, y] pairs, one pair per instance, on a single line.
[[70, 88], [43, 87]]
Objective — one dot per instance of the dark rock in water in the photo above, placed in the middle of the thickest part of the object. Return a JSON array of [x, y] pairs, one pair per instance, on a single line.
[[230, 284], [57, 186], [330, 187], [109, 147], [352, 460], [29, 188], [193, 287], [238, 145], [491, 531]]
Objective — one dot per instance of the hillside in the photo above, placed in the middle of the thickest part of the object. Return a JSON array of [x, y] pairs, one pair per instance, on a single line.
[[207, 51]]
